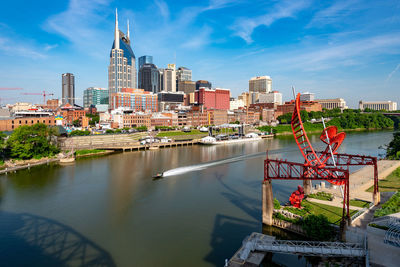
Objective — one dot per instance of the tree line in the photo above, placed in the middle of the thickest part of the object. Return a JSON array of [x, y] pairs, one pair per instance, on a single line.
[[27, 142]]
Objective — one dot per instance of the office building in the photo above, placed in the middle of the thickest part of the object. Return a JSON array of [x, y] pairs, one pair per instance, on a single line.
[[378, 105], [236, 104], [149, 78], [307, 96], [186, 86], [203, 83], [332, 103], [170, 100], [95, 96], [135, 99], [145, 60], [213, 98], [169, 78], [68, 88], [183, 74], [260, 84], [122, 68], [272, 97]]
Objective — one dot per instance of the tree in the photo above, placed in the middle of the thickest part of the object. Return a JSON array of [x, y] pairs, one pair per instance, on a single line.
[[318, 227], [34, 141], [393, 149], [76, 123], [2, 144]]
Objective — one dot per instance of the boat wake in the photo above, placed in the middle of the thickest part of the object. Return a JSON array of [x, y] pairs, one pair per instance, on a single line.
[[198, 167]]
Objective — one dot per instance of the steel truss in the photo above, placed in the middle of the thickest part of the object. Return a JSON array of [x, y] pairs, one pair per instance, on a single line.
[[276, 169]]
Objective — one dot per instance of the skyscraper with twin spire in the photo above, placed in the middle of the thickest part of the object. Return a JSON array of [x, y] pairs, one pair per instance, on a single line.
[[122, 68]]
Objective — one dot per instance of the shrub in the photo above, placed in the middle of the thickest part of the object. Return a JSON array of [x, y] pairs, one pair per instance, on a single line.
[[318, 227], [277, 205], [390, 207]]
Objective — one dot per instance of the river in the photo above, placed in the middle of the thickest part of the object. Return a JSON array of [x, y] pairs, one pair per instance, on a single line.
[[108, 210]]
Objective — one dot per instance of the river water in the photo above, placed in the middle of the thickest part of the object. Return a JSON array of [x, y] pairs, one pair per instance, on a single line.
[[108, 210]]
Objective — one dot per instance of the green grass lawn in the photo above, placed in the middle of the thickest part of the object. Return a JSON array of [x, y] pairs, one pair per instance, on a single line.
[[322, 196], [334, 214], [89, 151], [389, 207], [359, 203], [390, 184], [179, 133]]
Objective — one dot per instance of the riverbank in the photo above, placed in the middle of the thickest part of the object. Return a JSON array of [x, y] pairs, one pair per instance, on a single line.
[[92, 152], [15, 165]]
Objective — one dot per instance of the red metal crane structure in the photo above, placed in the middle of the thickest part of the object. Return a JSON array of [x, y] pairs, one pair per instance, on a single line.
[[10, 88], [44, 94], [325, 165]]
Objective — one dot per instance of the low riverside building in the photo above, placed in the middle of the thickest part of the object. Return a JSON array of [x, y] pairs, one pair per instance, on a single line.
[[71, 113], [12, 123], [378, 105], [332, 103], [288, 107]]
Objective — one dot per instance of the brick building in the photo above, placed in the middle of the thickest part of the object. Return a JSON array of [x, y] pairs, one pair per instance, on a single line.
[[213, 98], [288, 107], [135, 99], [12, 123]]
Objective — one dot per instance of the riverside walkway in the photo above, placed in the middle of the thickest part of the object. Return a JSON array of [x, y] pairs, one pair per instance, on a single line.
[[254, 248]]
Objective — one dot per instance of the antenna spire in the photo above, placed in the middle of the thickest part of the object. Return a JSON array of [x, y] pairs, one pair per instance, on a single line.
[[116, 37], [128, 31]]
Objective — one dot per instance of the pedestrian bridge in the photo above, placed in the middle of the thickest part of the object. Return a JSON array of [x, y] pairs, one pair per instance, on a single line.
[[255, 247]]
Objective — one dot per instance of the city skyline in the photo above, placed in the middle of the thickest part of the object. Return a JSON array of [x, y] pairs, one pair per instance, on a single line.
[[333, 50]]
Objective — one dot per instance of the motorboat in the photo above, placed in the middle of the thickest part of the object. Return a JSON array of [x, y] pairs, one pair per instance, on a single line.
[[158, 176]]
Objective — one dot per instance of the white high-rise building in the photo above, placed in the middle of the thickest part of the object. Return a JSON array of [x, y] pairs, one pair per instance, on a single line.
[[169, 78], [122, 68], [307, 96], [272, 97], [260, 84]]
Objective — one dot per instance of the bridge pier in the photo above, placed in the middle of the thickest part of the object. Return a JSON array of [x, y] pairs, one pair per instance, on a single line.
[[307, 186], [267, 202]]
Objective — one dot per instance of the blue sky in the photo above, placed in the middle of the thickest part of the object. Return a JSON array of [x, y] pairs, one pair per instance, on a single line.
[[348, 49]]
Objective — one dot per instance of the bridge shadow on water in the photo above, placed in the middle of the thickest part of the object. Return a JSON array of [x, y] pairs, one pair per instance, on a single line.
[[30, 240]]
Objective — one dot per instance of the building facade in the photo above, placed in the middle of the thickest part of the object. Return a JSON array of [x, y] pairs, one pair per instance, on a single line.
[[68, 88], [135, 99], [186, 86], [378, 105], [260, 84], [307, 96], [332, 103], [122, 68], [170, 100], [95, 96], [10, 124], [272, 97], [149, 78], [169, 78], [203, 83], [145, 60], [213, 98]]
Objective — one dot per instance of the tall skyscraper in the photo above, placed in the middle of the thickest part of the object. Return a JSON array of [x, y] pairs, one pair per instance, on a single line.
[[169, 78], [122, 68], [260, 84], [145, 60], [184, 74], [149, 78], [68, 88]]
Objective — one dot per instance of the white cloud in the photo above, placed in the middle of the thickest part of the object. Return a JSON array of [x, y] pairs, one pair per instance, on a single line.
[[201, 39], [163, 7], [10, 47], [244, 27], [80, 24], [393, 72], [333, 13]]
